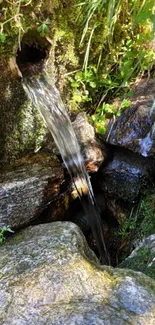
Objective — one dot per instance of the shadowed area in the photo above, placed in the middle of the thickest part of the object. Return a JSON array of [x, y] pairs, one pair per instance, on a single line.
[[30, 54]]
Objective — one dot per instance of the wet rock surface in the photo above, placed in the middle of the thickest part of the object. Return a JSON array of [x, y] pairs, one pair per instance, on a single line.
[[127, 175], [142, 258], [27, 186], [94, 153], [50, 276], [135, 128]]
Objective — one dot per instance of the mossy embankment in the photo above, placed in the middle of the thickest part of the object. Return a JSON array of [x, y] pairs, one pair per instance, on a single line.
[[48, 26]]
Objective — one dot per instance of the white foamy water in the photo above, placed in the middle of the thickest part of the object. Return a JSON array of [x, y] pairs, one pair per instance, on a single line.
[[145, 145]]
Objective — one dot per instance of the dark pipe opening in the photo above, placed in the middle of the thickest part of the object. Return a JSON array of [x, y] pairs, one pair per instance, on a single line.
[[30, 54], [31, 59]]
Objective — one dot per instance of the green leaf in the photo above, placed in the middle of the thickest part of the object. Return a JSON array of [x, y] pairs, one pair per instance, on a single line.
[[47, 21], [43, 29], [125, 103], [74, 84], [6, 229], [92, 84], [101, 129], [2, 231], [108, 108], [3, 37], [130, 93], [77, 98]]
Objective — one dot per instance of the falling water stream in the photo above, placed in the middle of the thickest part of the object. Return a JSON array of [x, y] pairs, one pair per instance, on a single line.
[[46, 98]]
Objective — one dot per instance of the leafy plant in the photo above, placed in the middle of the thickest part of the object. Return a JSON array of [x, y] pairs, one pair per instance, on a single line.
[[3, 230], [82, 84], [141, 221], [112, 15], [147, 216], [116, 47], [43, 28], [108, 110], [3, 37], [127, 227]]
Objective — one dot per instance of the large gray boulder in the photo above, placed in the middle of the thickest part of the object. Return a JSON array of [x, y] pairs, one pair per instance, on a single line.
[[49, 276], [27, 186]]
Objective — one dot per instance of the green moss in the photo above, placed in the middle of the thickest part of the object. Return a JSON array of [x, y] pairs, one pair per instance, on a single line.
[[21, 127], [142, 262], [147, 216], [17, 237], [136, 222], [61, 14]]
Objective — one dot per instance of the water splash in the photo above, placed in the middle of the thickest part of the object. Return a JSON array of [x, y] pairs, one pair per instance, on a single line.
[[46, 98], [145, 145], [147, 142]]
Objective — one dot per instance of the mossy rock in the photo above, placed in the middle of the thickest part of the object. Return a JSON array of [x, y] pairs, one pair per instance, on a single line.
[[21, 128]]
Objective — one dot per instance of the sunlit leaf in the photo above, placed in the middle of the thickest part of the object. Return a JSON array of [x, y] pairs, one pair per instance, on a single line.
[[3, 37]]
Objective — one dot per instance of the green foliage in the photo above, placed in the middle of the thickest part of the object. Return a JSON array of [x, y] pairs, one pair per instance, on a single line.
[[128, 225], [140, 262], [119, 26], [147, 216], [3, 230], [12, 18], [43, 28], [82, 84], [116, 47], [3, 37], [141, 221], [138, 225], [108, 110]]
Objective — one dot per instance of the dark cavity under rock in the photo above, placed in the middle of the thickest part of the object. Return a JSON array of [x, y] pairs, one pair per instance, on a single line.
[[27, 186], [126, 176], [77, 215], [135, 128], [94, 153]]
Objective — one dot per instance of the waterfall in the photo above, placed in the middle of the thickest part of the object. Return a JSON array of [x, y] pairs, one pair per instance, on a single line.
[[46, 98]]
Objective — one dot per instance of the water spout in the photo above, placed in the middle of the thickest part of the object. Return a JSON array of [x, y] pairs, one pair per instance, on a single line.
[[47, 99]]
